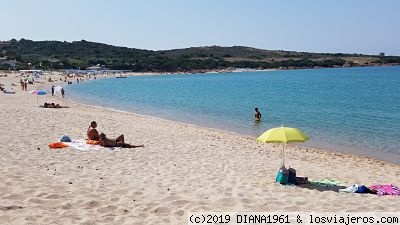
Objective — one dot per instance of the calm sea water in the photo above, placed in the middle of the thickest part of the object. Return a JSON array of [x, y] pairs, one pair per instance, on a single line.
[[355, 110]]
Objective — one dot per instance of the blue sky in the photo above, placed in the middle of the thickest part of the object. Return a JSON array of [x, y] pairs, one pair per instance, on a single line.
[[348, 26]]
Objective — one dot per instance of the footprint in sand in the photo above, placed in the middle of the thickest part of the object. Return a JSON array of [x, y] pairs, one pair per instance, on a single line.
[[107, 209], [41, 194], [292, 208], [54, 196], [15, 197], [66, 206], [200, 209], [180, 213], [227, 202], [228, 189], [114, 199], [162, 210], [107, 220], [172, 197], [138, 193], [248, 200], [179, 203], [89, 223], [92, 204], [36, 200]]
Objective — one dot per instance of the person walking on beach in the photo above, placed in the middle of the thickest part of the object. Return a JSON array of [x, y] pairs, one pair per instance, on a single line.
[[52, 90], [62, 92], [257, 115]]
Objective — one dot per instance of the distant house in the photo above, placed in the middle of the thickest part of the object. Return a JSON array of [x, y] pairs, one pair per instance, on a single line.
[[10, 63], [382, 54], [4, 43], [96, 67]]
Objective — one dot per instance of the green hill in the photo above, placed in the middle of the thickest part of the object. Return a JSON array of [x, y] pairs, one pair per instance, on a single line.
[[83, 54]]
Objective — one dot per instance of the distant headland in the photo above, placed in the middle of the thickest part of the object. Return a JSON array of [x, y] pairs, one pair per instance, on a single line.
[[53, 55]]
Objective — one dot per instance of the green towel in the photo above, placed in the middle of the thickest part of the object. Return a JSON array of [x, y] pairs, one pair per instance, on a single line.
[[327, 182]]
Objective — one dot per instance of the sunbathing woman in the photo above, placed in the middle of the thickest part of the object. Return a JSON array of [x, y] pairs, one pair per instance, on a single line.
[[119, 142], [92, 133]]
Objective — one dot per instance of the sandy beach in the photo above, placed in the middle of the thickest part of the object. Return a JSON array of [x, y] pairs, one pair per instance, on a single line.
[[182, 168]]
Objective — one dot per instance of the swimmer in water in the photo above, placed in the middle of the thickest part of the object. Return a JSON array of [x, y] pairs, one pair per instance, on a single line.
[[257, 115]]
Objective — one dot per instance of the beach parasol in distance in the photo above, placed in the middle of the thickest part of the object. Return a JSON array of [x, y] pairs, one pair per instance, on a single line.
[[37, 93], [283, 135]]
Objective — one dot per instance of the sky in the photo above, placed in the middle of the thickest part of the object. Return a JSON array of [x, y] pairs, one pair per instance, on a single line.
[[337, 26]]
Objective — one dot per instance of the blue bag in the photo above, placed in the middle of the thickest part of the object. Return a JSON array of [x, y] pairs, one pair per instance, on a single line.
[[362, 189], [283, 175], [65, 138]]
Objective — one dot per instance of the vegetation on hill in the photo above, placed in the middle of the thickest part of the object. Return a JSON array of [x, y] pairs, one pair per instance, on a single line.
[[83, 54]]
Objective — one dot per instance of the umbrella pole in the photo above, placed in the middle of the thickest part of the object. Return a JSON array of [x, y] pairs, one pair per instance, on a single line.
[[283, 155]]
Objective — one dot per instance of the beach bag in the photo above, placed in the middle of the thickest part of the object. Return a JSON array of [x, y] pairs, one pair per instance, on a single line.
[[65, 138], [301, 180], [362, 189], [283, 175], [292, 176]]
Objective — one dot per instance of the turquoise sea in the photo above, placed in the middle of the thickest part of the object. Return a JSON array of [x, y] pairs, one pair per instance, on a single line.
[[354, 110]]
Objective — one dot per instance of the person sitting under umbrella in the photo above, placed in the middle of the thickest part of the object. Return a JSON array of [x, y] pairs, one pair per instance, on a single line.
[[119, 142]]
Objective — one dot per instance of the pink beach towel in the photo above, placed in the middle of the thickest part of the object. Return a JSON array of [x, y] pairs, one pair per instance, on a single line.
[[385, 189]]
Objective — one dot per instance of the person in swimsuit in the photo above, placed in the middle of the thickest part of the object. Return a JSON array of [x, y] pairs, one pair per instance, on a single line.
[[119, 142], [257, 115], [92, 133]]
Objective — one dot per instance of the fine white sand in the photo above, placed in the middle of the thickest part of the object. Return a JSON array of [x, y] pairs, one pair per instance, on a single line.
[[183, 168]]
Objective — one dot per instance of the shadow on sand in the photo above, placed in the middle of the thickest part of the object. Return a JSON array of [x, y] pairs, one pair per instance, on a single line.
[[321, 188]]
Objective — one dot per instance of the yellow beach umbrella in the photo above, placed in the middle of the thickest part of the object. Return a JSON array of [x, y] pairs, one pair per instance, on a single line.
[[283, 135]]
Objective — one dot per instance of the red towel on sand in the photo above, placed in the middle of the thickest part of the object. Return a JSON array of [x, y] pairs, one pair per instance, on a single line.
[[57, 145]]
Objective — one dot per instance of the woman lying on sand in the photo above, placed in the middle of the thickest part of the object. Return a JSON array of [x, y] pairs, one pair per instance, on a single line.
[[52, 105], [119, 142]]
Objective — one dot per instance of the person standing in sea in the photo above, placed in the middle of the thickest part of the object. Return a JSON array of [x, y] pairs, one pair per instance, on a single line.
[[257, 115], [62, 92]]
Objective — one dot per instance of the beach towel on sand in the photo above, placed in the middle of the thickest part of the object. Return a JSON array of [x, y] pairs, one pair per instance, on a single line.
[[82, 146], [327, 182], [92, 142], [385, 189], [57, 145]]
